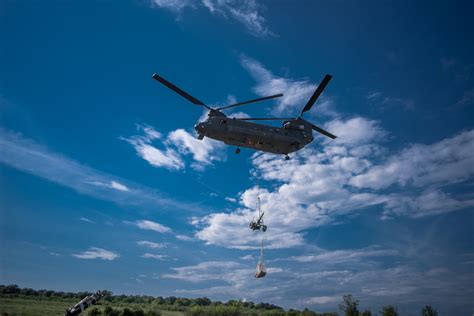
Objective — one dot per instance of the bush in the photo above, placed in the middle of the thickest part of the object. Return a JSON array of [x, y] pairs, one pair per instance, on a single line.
[[213, 311], [94, 311], [109, 311], [428, 311]]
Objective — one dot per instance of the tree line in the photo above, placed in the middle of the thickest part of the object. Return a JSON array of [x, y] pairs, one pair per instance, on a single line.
[[201, 306], [350, 307]]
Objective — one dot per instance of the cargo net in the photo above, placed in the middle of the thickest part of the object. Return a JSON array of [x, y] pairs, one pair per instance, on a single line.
[[261, 271]]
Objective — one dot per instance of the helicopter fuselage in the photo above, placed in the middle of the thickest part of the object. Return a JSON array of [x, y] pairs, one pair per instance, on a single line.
[[292, 136]]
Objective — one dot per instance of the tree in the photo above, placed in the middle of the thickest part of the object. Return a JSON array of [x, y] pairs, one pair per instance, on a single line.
[[349, 306], [428, 311], [389, 311], [366, 313]]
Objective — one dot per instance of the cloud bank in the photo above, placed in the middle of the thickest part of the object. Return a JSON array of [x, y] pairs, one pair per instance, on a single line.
[[332, 178]]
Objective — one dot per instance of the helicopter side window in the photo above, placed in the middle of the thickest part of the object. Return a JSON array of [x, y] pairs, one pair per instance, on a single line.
[[223, 121]]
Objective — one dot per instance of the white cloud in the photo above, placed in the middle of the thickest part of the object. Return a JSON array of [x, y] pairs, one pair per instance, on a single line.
[[84, 219], [118, 186], [357, 130], [374, 95], [385, 102], [205, 271], [311, 193], [247, 257], [97, 253], [448, 161], [321, 300], [230, 199], [204, 151], [173, 5], [338, 256], [467, 99], [166, 157], [149, 225], [429, 202], [156, 257], [112, 185], [296, 92], [150, 244], [246, 12], [28, 156], [343, 176], [174, 147], [184, 238]]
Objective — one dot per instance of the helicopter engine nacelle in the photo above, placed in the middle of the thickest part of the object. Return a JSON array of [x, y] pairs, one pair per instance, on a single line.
[[293, 125]]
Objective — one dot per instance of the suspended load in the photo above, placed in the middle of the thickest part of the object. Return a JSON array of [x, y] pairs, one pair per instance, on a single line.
[[261, 271], [258, 224], [254, 225]]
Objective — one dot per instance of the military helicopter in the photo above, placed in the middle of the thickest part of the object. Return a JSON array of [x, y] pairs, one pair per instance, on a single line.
[[294, 134]]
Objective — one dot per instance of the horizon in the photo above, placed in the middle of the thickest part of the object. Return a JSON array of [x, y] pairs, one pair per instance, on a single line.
[[105, 185]]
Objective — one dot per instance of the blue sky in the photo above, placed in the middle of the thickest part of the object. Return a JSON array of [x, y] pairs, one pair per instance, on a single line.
[[103, 184]]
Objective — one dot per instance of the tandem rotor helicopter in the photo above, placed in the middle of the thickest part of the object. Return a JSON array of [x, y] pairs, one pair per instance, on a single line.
[[294, 134]]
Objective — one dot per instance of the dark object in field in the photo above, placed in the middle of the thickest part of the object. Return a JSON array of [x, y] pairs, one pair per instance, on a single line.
[[294, 134], [86, 302]]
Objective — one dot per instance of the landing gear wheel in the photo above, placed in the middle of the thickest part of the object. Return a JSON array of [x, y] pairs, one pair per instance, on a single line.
[[264, 228], [237, 151], [287, 157]]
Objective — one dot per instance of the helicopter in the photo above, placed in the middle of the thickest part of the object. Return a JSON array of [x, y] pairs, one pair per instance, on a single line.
[[294, 134]]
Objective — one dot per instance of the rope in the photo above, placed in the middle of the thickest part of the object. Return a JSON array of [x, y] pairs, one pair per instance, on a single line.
[[260, 260]]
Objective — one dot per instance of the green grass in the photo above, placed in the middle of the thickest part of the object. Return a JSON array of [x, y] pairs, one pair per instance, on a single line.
[[36, 307], [29, 307]]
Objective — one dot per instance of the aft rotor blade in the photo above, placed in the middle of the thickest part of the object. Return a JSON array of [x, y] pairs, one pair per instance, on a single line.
[[250, 101], [322, 131], [263, 118], [316, 93], [179, 91]]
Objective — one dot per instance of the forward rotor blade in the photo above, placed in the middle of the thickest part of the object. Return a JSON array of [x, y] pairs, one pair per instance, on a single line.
[[250, 101], [179, 91], [322, 131], [263, 118], [316, 93]]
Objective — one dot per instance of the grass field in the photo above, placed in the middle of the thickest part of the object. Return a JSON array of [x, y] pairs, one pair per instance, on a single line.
[[32, 307]]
